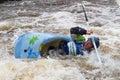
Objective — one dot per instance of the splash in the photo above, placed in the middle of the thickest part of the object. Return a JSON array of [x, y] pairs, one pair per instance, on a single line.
[[118, 2]]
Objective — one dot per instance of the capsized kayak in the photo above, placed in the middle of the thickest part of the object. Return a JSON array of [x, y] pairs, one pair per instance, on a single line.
[[37, 45]]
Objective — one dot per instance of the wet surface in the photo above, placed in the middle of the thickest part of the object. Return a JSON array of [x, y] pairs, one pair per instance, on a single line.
[[30, 16]]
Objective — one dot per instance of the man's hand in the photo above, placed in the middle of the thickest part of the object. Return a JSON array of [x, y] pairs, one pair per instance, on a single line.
[[89, 31]]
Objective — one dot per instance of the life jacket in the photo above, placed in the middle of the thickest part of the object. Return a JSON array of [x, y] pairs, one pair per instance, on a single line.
[[80, 38], [79, 44], [79, 48], [75, 48]]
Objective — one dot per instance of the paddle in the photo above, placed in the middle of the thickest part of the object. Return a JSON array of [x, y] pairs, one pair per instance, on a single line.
[[93, 41]]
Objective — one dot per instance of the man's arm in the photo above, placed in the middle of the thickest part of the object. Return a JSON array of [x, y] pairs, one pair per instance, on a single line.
[[81, 31], [78, 30]]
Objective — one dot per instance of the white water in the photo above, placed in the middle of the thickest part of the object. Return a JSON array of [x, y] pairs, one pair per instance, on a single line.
[[19, 18], [118, 2]]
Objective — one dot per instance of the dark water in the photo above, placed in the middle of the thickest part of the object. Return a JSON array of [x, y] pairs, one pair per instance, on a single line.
[[104, 2], [9, 9]]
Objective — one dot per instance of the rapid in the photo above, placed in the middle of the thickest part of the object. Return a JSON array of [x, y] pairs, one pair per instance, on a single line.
[[58, 16]]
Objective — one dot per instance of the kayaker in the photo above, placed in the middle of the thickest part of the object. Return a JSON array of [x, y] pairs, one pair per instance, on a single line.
[[81, 44]]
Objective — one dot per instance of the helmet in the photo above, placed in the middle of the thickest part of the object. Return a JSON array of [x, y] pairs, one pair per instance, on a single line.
[[96, 40]]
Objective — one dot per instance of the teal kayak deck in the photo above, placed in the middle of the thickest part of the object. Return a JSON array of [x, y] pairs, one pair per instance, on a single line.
[[36, 45]]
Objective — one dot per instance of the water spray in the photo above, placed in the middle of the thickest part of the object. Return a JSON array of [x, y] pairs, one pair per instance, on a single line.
[[118, 2], [93, 41]]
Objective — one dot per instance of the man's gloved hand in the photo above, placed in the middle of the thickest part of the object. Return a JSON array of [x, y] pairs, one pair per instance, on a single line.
[[89, 31]]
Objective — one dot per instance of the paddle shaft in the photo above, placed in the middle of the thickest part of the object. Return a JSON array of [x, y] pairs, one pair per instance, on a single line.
[[93, 41]]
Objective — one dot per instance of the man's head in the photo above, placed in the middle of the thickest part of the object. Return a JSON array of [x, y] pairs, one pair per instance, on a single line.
[[89, 43]]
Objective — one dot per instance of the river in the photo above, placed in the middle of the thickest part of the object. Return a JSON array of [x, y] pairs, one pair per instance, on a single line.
[[58, 16]]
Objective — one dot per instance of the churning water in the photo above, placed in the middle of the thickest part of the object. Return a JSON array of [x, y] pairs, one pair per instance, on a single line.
[[58, 16]]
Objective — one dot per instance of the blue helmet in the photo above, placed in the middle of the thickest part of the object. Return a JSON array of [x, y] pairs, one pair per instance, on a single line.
[[97, 42]]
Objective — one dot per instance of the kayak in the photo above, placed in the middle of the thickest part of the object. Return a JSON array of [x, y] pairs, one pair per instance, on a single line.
[[37, 45]]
